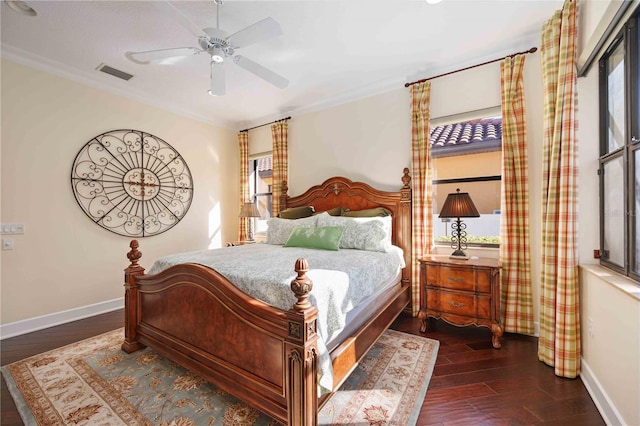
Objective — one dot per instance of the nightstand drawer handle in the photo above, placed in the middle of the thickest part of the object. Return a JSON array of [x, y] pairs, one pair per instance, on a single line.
[[454, 279], [456, 305]]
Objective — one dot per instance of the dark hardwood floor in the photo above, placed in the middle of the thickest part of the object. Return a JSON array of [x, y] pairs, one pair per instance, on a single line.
[[475, 384], [472, 383]]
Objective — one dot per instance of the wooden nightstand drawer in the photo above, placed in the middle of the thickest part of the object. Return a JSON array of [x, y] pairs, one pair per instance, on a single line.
[[461, 293], [464, 304], [460, 278]]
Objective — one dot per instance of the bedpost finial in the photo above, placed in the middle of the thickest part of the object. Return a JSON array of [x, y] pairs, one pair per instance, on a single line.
[[285, 188], [301, 285], [134, 255], [405, 177]]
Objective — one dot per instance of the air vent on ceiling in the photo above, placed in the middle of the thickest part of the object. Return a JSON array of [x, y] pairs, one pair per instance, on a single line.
[[114, 72]]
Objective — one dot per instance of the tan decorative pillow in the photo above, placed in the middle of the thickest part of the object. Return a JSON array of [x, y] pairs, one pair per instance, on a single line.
[[374, 212], [297, 212], [337, 211]]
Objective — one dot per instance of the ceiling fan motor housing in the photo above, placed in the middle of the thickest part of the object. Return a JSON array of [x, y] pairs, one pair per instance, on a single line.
[[216, 44]]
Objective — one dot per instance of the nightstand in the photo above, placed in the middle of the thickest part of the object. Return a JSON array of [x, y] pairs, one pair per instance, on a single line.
[[461, 292]]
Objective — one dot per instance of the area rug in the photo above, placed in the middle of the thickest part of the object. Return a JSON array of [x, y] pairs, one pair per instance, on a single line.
[[93, 382]]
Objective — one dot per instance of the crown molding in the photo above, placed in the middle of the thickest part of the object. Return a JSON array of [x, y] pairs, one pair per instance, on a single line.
[[88, 79]]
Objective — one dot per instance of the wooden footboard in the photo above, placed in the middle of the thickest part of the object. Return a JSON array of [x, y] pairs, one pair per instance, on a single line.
[[194, 316]]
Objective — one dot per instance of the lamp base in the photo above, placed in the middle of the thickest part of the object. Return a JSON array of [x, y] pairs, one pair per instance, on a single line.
[[459, 254]]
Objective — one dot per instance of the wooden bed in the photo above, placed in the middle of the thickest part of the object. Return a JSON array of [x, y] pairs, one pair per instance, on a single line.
[[266, 356]]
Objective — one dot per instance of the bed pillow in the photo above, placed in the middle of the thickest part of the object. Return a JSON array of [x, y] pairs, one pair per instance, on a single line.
[[377, 211], [322, 237], [297, 212], [361, 233], [278, 229], [337, 211]]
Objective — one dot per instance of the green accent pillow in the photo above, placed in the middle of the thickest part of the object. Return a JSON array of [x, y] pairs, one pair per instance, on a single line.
[[324, 237], [377, 211], [297, 212]]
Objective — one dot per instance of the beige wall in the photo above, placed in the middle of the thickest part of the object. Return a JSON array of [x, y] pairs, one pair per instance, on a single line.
[[64, 261], [368, 140], [611, 343]]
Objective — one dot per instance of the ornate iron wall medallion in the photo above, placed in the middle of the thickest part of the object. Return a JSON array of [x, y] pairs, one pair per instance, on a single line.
[[132, 183]]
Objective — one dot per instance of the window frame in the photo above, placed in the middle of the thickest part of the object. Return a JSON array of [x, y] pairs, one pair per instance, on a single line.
[[253, 194], [627, 37], [490, 146]]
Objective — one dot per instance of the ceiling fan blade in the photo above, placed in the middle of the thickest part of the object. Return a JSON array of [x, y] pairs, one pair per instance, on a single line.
[[262, 72], [217, 79], [260, 31], [170, 9], [161, 55]]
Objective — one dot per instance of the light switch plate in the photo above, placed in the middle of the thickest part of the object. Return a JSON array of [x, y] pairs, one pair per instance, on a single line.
[[12, 228]]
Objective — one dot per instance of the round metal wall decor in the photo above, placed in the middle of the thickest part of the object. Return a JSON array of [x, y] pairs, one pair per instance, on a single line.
[[132, 183]]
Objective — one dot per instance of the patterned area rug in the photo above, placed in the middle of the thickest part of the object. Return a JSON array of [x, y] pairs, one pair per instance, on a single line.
[[93, 382]]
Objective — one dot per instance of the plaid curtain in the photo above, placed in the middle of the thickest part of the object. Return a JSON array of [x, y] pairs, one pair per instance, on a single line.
[[279, 134], [243, 140], [559, 343], [422, 232], [515, 255]]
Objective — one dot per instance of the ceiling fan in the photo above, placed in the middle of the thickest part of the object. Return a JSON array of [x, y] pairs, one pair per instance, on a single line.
[[220, 46]]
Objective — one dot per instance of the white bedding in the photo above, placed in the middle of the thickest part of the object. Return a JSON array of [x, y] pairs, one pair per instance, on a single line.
[[341, 280]]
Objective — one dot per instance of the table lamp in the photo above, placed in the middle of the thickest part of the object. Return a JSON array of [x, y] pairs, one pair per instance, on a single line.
[[250, 211], [458, 205]]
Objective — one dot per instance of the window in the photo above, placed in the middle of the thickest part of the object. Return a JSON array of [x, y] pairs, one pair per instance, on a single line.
[[260, 181], [467, 154], [619, 163]]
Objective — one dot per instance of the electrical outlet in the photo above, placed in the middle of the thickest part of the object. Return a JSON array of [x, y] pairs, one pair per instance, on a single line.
[[7, 244], [591, 327]]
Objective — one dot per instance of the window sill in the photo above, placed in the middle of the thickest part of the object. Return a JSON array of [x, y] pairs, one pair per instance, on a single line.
[[471, 251], [624, 284]]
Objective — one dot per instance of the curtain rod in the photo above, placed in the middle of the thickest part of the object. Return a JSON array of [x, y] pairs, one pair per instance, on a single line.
[[533, 49], [266, 124]]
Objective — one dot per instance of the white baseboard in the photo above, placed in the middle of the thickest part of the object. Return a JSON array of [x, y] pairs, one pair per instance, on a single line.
[[605, 406], [38, 323]]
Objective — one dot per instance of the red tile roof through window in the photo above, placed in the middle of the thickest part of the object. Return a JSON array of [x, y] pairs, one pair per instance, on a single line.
[[264, 164], [468, 132]]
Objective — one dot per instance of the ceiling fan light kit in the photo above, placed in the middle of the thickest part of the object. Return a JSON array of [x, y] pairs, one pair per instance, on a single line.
[[217, 87], [219, 46]]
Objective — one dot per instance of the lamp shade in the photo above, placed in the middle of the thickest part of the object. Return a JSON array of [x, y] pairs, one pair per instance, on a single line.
[[458, 204], [249, 209]]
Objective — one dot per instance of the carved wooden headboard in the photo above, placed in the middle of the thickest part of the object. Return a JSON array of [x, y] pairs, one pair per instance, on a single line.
[[343, 192]]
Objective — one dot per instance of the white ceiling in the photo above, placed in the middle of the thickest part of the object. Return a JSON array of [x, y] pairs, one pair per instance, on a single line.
[[331, 51]]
